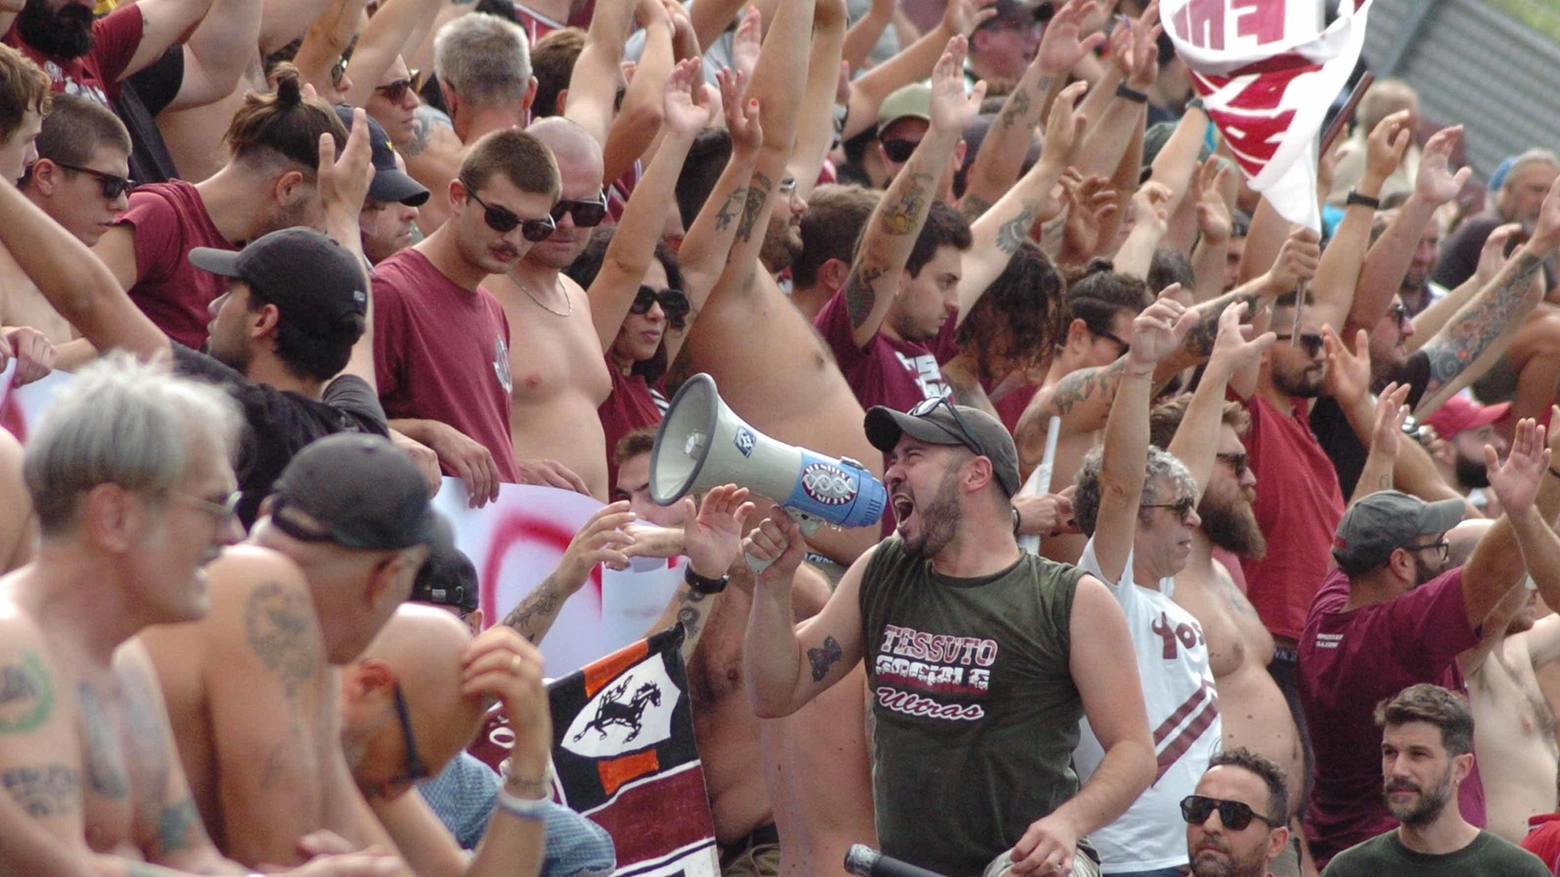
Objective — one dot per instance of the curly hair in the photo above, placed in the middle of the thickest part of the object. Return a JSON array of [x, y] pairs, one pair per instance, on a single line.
[[1161, 465], [1271, 774], [1023, 307]]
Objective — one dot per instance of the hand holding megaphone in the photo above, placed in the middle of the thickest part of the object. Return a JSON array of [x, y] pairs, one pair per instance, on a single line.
[[775, 547]]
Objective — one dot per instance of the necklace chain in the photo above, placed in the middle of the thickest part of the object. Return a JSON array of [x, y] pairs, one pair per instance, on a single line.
[[543, 305]]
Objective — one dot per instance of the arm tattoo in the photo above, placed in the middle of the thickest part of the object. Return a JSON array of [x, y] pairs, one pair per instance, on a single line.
[[861, 294], [1463, 341], [972, 206], [1085, 384], [174, 828], [1012, 234], [535, 613], [824, 657], [1018, 103], [757, 195], [728, 211], [1199, 339], [26, 695], [45, 789], [104, 762], [423, 123], [279, 625], [905, 217]]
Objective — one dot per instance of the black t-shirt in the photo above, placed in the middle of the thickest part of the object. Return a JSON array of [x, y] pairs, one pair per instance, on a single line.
[[141, 98], [1337, 437], [281, 423]]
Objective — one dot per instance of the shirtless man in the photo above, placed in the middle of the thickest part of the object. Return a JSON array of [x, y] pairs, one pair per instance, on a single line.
[[81, 179], [130, 474]]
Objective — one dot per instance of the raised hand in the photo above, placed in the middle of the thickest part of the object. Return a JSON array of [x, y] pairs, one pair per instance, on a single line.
[[687, 98], [1492, 256], [1386, 144], [1158, 330], [1151, 204], [745, 42], [343, 183], [1516, 481], [713, 536], [741, 114], [777, 542], [1348, 372], [1387, 435], [1063, 42], [1145, 48], [1064, 126], [1546, 232], [1090, 202], [952, 110], [1296, 261], [1232, 349], [602, 539], [1213, 215], [1436, 182], [961, 17]]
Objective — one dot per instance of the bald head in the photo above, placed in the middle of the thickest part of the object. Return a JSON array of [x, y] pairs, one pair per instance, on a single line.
[[1463, 538], [420, 650], [566, 138]]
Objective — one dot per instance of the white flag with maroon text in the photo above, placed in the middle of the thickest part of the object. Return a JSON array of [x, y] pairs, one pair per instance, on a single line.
[[1267, 72]]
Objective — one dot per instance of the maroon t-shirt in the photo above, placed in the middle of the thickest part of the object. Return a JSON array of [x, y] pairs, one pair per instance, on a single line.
[[628, 407], [95, 75], [896, 374], [1349, 662], [1298, 507], [441, 352], [170, 220]]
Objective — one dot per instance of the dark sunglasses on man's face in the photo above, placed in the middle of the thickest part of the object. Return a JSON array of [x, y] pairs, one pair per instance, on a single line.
[[113, 186], [674, 304], [503, 221], [587, 214], [1237, 461], [396, 90], [899, 151], [1311, 341], [1195, 809]]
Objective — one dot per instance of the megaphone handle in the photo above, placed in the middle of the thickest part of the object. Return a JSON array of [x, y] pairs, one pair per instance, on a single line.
[[809, 525]]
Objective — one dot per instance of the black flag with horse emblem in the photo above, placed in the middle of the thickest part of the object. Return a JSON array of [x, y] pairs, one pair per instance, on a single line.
[[624, 754]]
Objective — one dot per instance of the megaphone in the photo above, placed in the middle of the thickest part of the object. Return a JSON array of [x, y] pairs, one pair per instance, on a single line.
[[701, 444]]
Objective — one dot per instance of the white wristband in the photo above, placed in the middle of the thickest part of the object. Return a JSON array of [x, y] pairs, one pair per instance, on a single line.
[[534, 809]]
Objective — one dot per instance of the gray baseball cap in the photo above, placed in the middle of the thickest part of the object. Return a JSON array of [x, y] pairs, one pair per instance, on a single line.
[[1386, 521], [940, 422]]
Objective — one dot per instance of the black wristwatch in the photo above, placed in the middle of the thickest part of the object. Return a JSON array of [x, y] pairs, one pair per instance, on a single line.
[[1131, 94], [1362, 200], [703, 585]]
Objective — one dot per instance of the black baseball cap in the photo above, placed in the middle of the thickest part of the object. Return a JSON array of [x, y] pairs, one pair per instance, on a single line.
[[1387, 520], [315, 283], [447, 577], [390, 182], [940, 422], [1019, 13], [360, 491]]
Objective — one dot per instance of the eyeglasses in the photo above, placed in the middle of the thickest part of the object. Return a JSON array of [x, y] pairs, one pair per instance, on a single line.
[[969, 438], [587, 214], [1443, 548], [395, 90], [222, 511], [1397, 313], [1181, 507], [414, 767], [1124, 344], [113, 186], [338, 71], [673, 302], [1311, 341], [899, 151], [787, 188], [1237, 461], [502, 220], [1195, 809]]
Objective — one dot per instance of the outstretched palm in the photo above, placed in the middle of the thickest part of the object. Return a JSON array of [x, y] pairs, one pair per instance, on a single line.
[[713, 537], [1063, 43], [1516, 481], [1437, 182]]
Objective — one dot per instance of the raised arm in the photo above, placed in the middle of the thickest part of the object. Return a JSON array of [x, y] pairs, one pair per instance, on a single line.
[[1213, 228], [1492, 258], [815, 125], [1389, 256], [913, 63], [636, 124], [601, 540], [1338, 273], [1386, 440], [324, 42], [594, 81], [1196, 442], [343, 184], [1155, 332], [1530, 494], [896, 221], [384, 38], [1000, 230], [711, 538], [164, 22], [687, 102], [1151, 219], [216, 54], [1136, 64], [1003, 151], [786, 664], [863, 36]]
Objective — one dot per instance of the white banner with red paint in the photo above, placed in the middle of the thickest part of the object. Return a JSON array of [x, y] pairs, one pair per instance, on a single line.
[[514, 543], [1267, 73]]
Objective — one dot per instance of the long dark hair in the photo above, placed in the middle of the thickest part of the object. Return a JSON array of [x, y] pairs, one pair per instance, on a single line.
[[585, 268]]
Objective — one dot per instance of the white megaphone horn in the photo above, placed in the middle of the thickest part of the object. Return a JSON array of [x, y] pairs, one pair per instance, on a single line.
[[702, 444]]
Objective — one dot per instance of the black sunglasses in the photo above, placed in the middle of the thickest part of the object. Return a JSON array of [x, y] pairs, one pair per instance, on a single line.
[[1235, 815], [1237, 461], [503, 221], [113, 186], [395, 90], [966, 435], [587, 214], [673, 302], [899, 151], [1311, 341], [1124, 344], [1181, 507], [414, 767]]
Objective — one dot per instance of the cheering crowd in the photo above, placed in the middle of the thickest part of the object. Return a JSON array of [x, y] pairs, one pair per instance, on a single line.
[[1291, 608]]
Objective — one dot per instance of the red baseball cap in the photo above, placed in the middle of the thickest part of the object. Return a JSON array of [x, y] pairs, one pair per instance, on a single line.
[[1461, 413]]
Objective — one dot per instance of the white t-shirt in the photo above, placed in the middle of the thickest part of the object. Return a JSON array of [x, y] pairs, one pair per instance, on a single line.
[[1183, 714]]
